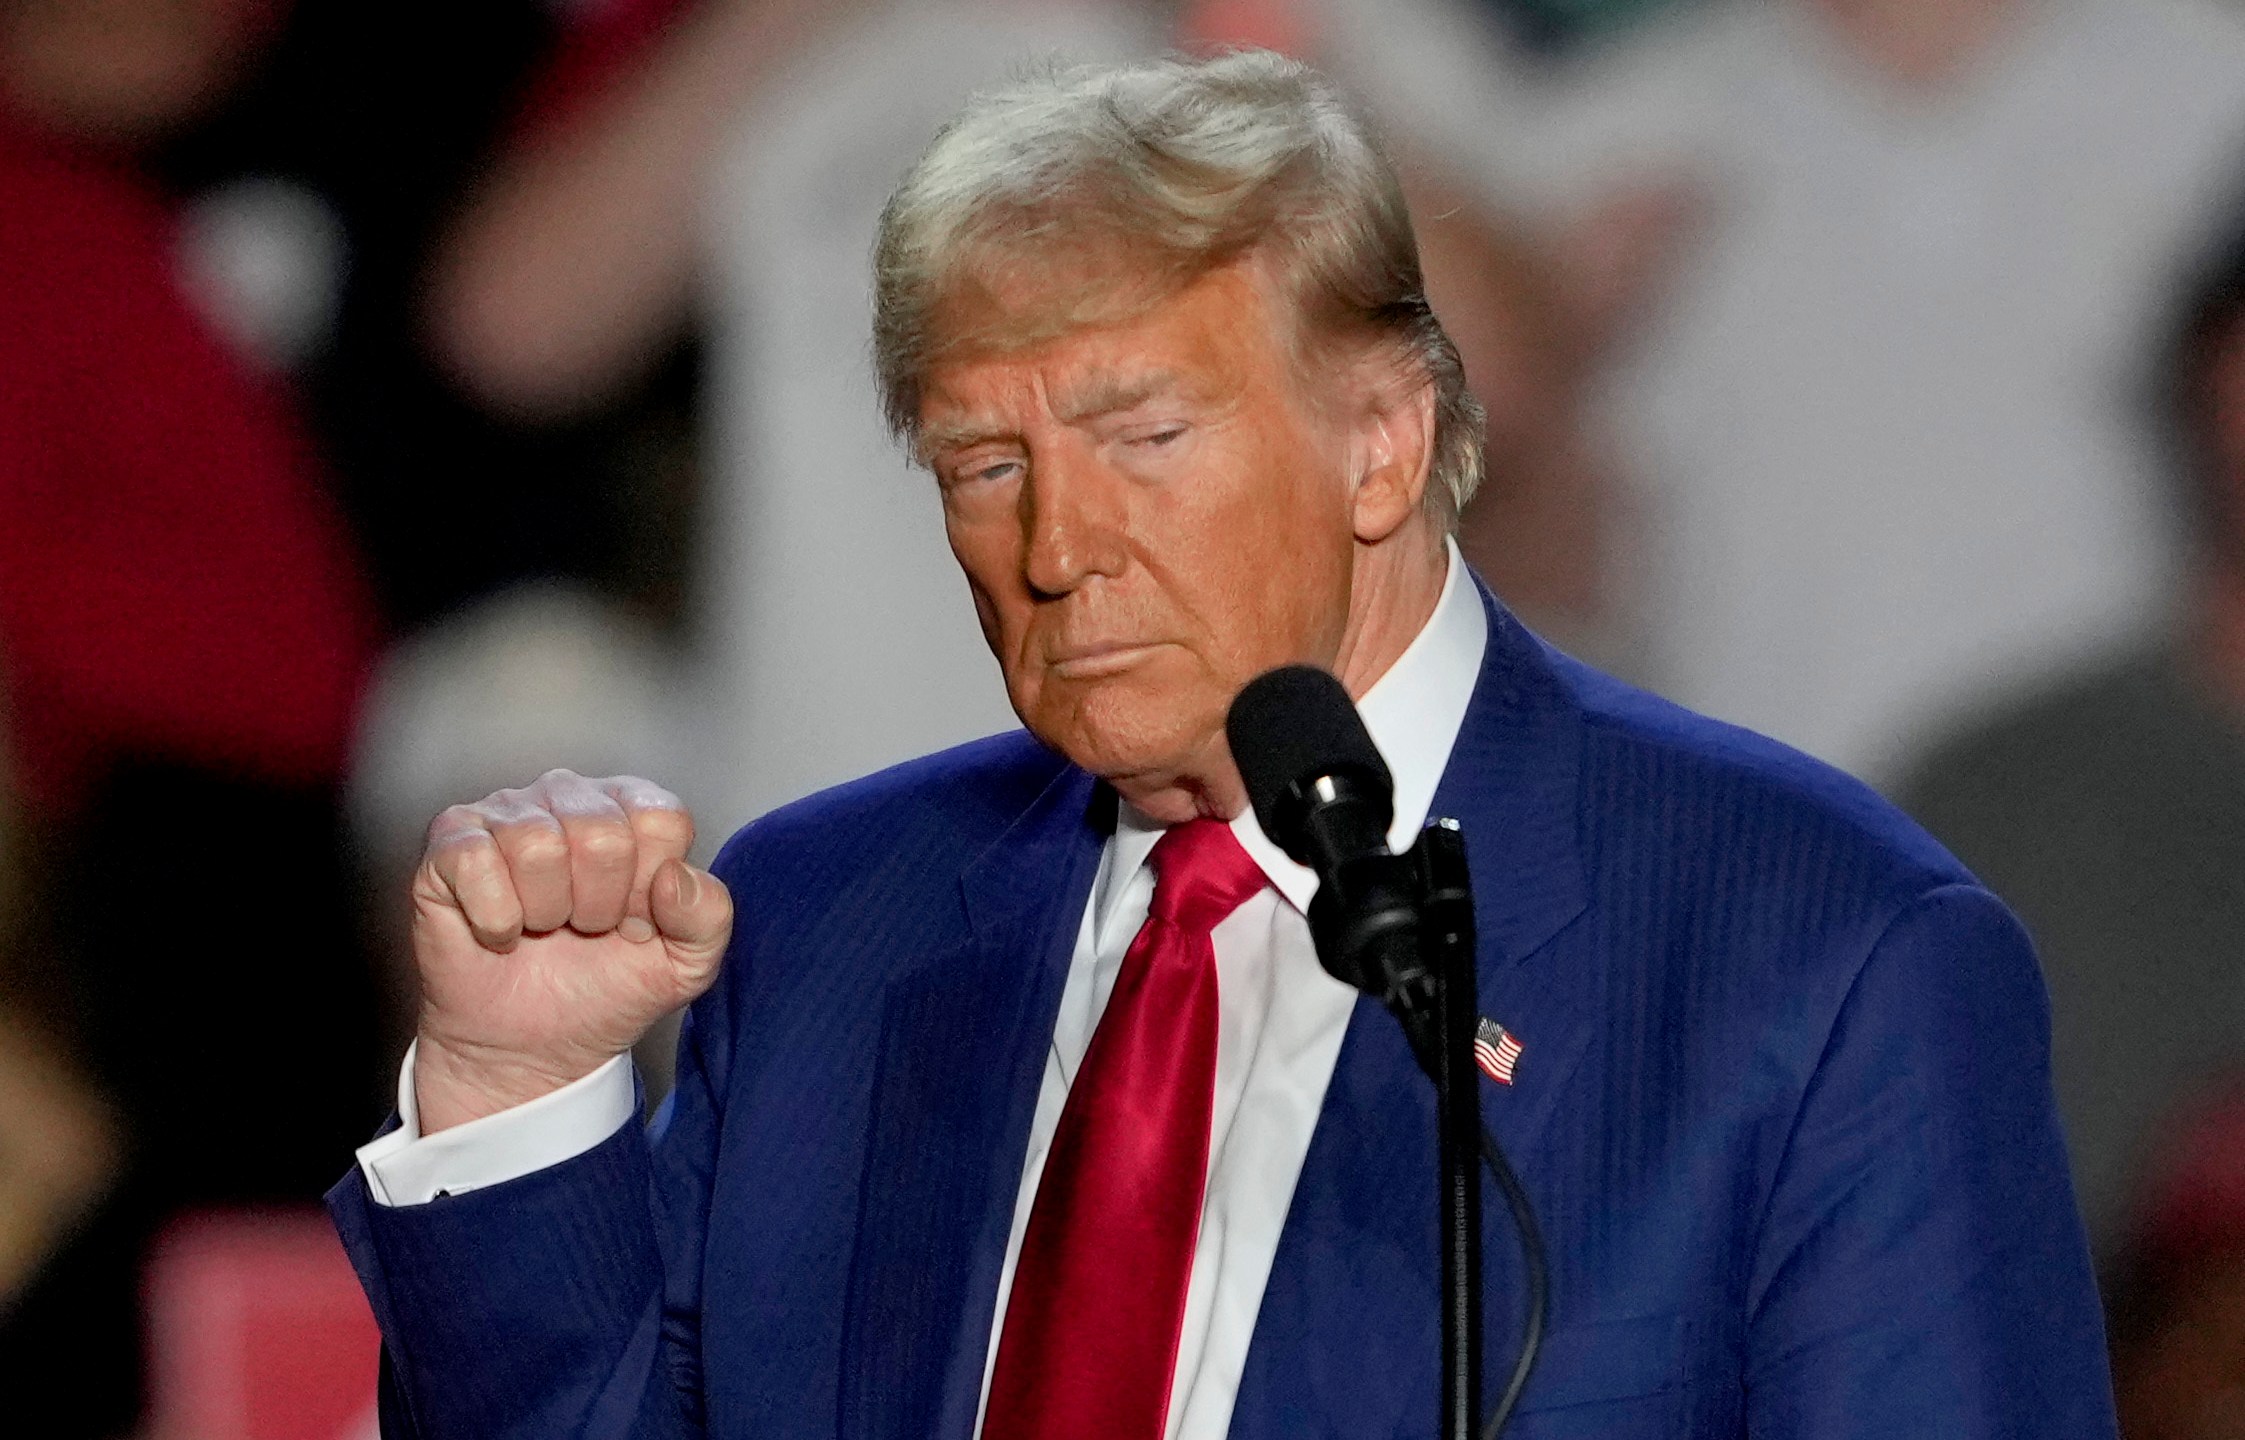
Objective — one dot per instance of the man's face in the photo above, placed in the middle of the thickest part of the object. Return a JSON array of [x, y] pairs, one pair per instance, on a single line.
[[1150, 514]]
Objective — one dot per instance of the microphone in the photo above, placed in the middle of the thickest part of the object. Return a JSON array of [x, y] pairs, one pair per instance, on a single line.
[[1399, 928], [1324, 796]]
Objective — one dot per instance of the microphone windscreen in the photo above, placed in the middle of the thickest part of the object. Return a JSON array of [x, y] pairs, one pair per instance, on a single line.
[[1291, 725]]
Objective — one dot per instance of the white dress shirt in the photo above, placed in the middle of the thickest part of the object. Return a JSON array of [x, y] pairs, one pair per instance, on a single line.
[[1280, 1022]]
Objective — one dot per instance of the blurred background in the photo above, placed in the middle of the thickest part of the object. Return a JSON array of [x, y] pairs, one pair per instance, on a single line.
[[397, 401]]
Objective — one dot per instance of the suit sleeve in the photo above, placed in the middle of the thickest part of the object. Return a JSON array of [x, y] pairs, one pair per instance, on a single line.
[[1921, 1269], [565, 1303]]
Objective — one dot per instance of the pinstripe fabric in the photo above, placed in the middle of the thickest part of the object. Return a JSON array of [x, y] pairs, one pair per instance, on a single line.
[[1786, 1119]]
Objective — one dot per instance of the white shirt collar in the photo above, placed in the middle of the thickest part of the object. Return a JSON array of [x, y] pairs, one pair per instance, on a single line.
[[1413, 712]]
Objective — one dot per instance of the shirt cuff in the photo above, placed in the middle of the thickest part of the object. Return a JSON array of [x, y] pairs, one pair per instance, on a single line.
[[406, 1167]]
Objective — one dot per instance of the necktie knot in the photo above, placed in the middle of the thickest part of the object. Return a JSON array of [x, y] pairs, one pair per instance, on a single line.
[[1201, 875]]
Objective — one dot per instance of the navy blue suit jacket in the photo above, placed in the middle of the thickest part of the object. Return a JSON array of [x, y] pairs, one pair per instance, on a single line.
[[1784, 1111]]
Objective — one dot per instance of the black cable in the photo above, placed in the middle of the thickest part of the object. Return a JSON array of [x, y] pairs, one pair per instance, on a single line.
[[1539, 1279]]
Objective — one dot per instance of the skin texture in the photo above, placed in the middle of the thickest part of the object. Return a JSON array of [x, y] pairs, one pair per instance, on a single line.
[[1150, 513], [552, 926], [1153, 512]]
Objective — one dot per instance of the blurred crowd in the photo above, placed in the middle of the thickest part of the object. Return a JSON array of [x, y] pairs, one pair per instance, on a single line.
[[396, 401]]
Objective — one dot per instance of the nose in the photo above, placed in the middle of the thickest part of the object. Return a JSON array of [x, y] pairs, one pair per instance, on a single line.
[[1073, 515]]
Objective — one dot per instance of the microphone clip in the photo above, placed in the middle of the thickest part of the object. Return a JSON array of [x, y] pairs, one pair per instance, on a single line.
[[1399, 927]]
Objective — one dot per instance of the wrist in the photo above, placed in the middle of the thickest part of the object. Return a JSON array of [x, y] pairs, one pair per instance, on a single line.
[[454, 1083]]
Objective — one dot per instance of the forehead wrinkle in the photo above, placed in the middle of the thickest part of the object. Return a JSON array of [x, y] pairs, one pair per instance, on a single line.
[[978, 426], [1104, 392]]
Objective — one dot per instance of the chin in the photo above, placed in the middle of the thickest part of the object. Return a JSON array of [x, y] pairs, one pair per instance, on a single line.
[[1137, 735]]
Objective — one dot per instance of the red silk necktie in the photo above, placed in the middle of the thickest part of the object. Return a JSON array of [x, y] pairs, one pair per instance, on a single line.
[[1089, 1347]]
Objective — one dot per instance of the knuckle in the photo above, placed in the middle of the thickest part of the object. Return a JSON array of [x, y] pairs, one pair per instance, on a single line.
[[540, 848], [503, 808], [607, 846], [563, 789], [669, 826], [454, 823], [466, 859], [456, 867], [639, 792]]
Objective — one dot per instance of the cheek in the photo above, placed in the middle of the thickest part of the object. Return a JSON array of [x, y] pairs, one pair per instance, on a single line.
[[1272, 562], [984, 541], [988, 549]]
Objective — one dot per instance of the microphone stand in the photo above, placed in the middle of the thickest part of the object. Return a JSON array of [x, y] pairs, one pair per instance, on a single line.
[[1398, 927], [1436, 1002], [1446, 939]]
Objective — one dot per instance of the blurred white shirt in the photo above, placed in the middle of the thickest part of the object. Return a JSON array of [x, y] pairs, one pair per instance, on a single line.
[[834, 631], [1888, 419]]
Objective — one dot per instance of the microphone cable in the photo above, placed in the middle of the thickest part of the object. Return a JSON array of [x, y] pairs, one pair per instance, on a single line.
[[1538, 1274]]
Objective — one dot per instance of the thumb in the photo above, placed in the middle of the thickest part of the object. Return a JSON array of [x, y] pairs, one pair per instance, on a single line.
[[692, 911]]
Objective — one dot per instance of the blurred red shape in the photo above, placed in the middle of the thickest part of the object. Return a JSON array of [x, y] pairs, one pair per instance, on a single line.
[[259, 1331], [2191, 1205]]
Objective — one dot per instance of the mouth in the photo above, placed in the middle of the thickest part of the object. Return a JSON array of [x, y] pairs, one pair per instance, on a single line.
[[1093, 662]]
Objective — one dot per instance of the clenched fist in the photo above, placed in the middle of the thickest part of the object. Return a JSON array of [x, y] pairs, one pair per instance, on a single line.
[[552, 927]]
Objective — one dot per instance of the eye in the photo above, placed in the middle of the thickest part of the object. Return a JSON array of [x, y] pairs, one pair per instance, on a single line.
[[986, 470], [1155, 439]]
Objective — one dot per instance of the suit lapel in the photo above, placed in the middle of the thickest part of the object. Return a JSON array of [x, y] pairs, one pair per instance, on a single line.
[[1514, 784], [1359, 1254], [963, 1050]]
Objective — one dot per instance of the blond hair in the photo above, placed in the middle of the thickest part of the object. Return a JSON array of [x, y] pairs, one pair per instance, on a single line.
[[1136, 179]]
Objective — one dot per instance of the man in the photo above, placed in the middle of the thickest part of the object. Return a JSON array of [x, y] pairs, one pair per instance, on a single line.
[[1916, 286], [1020, 1106], [727, 176], [2108, 803]]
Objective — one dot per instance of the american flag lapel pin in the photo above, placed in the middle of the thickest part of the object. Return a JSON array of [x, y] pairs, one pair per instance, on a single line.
[[1496, 1050]]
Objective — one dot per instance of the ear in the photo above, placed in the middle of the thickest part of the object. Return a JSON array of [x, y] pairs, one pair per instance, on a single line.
[[1391, 450]]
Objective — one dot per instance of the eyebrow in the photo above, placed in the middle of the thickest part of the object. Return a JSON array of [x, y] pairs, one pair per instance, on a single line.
[[956, 436], [1104, 394]]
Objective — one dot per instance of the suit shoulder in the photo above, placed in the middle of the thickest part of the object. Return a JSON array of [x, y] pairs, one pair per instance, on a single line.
[[1752, 887], [1654, 764]]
